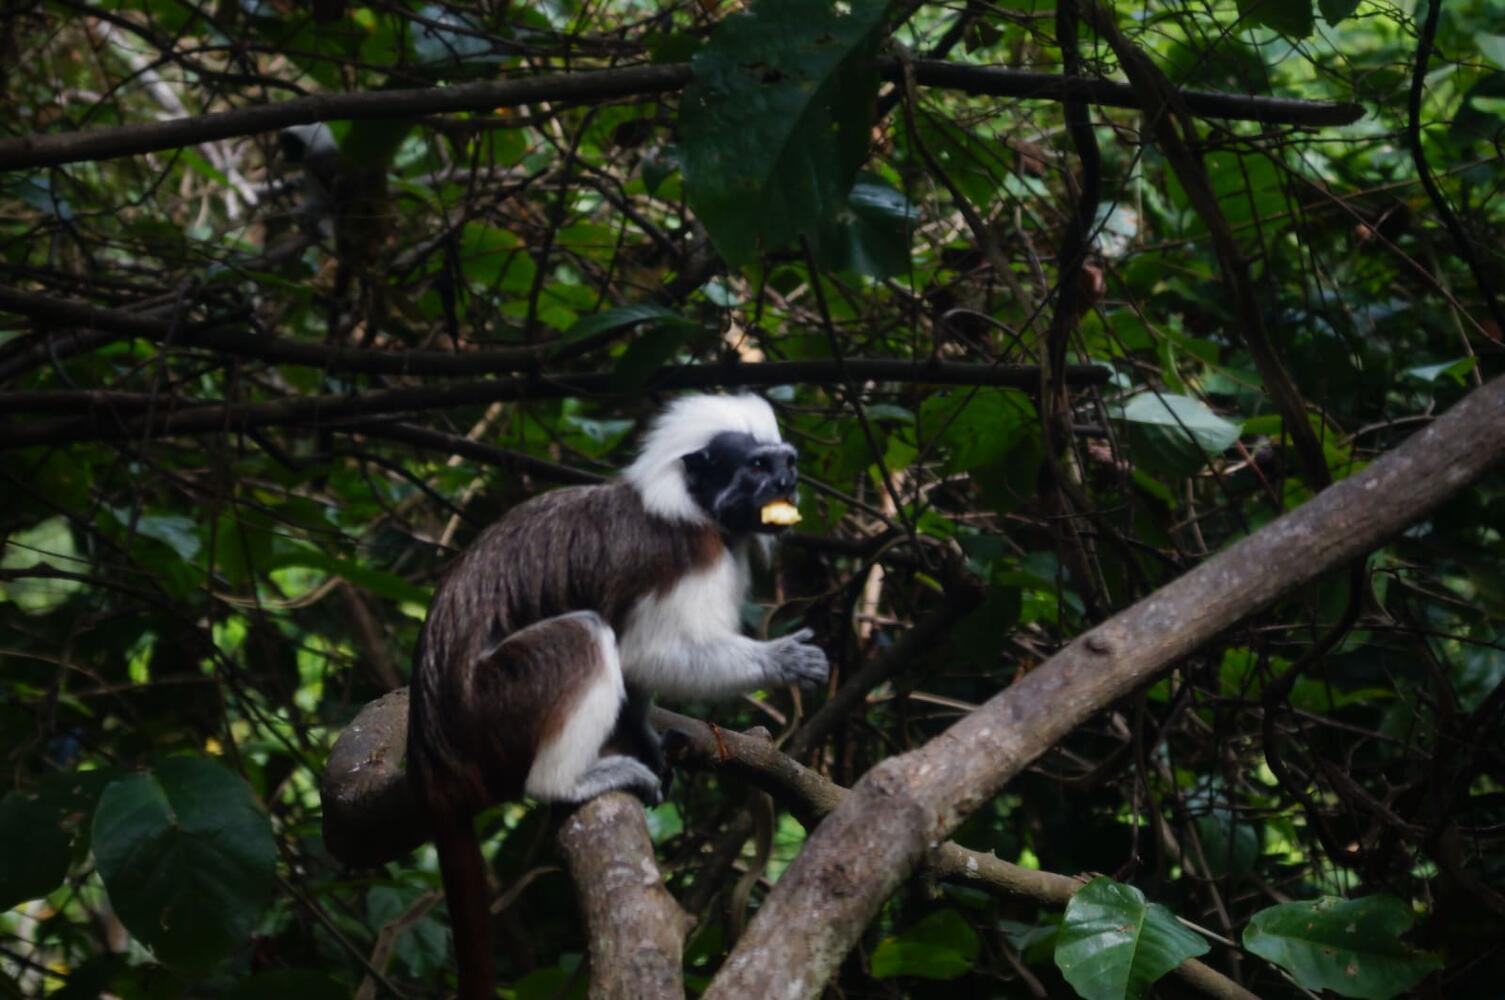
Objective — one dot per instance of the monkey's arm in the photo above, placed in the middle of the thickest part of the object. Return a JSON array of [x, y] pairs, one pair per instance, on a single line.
[[718, 666]]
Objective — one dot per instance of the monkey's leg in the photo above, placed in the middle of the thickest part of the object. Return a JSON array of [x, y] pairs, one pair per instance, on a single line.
[[634, 732], [574, 659]]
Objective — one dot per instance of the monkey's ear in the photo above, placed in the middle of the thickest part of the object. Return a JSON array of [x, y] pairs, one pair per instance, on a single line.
[[697, 463]]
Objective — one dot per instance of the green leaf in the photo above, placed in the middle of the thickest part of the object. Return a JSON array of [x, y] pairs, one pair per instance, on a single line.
[[651, 351], [657, 166], [422, 949], [49, 543], [978, 427], [665, 822], [187, 857], [378, 581], [1478, 118], [177, 531], [1289, 17], [941, 946], [1174, 435], [1334, 11], [1113, 944], [872, 237], [1491, 47], [775, 122], [1349, 946], [622, 317], [33, 850], [1453, 370], [495, 258], [1230, 845], [437, 46], [38, 192]]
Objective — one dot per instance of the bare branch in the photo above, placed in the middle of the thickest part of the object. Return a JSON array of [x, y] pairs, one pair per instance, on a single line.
[[107, 418], [596, 85]]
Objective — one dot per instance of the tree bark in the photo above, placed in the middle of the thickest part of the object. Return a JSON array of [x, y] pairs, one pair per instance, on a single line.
[[636, 929]]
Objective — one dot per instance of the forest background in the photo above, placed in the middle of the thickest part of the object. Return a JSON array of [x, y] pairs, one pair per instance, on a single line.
[[1139, 360]]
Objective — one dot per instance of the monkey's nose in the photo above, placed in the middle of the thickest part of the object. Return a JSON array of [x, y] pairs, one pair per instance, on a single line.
[[785, 481]]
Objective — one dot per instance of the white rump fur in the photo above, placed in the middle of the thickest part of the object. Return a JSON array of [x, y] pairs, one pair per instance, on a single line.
[[562, 761], [687, 425]]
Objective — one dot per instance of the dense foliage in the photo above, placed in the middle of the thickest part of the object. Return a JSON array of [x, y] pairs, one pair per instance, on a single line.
[[218, 548]]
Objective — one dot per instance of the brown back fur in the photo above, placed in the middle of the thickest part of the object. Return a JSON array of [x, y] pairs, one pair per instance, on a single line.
[[590, 548]]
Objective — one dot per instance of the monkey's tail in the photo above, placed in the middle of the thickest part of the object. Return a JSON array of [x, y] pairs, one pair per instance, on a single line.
[[465, 888]]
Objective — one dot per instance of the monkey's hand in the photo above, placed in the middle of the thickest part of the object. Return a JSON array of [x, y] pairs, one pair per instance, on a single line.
[[793, 659]]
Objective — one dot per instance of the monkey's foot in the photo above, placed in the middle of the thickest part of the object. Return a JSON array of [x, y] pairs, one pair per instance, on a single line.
[[616, 773]]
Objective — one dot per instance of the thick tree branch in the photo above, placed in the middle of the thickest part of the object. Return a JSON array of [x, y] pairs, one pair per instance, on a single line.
[[811, 797], [866, 848], [596, 85], [635, 928], [370, 816], [106, 415]]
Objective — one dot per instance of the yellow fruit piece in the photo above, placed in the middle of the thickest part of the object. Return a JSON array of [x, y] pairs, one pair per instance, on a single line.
[[780, 512]]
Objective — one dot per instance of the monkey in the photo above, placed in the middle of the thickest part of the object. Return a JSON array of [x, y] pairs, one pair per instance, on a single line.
[[547, 639]]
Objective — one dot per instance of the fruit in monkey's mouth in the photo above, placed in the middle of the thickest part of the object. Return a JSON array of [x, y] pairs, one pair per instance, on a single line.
[[780, 512]]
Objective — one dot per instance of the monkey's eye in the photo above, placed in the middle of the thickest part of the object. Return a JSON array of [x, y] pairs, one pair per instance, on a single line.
[[760, 464]]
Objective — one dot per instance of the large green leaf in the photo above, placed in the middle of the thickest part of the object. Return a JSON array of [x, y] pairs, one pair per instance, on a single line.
[[33, 850], [872, 236], [187, 857], [1174, 435], [41, 829], [1289, 17], [941, 946], [49, 543], [977, 427], [1350, 946], [622, 317], [496, 259], [1113, 944], [775, 123]]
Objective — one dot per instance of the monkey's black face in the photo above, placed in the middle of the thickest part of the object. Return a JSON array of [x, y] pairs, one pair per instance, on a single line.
[[736, 476]]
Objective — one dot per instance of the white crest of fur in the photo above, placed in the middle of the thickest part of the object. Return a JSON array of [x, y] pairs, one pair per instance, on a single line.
[[687, 425]]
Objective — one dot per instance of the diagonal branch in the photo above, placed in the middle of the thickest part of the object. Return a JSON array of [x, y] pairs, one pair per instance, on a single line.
[[878, 835]]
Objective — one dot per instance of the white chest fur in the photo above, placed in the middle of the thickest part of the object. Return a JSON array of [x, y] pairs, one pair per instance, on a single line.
[[669, 635]]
